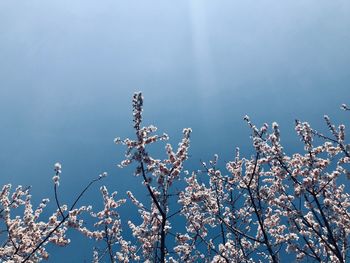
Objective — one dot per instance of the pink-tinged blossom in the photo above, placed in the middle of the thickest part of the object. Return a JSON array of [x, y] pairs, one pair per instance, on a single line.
[[58, 167], [344, 107]]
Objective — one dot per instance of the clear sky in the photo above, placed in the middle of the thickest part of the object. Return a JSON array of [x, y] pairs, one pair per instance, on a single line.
[[68, 70]]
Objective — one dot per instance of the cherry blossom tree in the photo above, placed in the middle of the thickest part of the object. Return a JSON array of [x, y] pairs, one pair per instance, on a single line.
[[273, 206], [270, 207]]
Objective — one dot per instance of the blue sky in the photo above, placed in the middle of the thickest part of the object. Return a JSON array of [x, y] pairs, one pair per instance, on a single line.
[[68, 70]]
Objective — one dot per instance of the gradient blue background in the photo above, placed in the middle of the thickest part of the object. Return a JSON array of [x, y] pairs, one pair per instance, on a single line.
[[68, 70]]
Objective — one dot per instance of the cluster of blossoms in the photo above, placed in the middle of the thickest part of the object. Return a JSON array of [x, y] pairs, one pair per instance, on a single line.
[[24, 233], [271, 207], [109, 230], [158, 178], [24, 236]]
